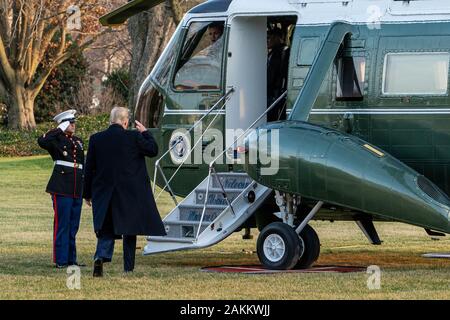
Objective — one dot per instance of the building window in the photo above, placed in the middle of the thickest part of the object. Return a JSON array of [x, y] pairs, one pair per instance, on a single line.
[[200, 63], [416, 73], [351, 75]]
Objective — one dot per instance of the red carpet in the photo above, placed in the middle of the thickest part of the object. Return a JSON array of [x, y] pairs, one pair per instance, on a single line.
[[255, 269]]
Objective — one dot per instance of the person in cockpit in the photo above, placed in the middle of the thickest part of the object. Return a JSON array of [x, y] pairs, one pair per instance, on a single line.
[[214, 50]]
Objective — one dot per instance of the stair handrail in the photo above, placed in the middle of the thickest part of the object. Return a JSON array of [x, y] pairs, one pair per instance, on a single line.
[[225, 98], [212, 170]]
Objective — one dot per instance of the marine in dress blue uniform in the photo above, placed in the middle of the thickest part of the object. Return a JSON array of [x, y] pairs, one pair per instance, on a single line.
[[65, 186]]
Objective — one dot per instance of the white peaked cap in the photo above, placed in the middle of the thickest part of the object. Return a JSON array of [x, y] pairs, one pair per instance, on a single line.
[[65, 116]]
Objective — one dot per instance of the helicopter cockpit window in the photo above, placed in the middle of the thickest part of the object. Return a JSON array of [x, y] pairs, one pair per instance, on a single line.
[[200, 64]]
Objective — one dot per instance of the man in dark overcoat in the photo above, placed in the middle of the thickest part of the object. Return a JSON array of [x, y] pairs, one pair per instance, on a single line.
[[118, 187]]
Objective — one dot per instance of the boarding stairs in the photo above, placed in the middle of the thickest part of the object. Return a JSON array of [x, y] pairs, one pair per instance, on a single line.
[[195, 223], [217, 207]]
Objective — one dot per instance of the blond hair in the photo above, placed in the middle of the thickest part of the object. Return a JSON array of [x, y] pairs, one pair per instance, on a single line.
[[119, 115]]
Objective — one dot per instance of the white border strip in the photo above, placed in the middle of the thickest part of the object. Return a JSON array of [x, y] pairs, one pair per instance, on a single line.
[[191, 112], [381, 111], [330, 111]]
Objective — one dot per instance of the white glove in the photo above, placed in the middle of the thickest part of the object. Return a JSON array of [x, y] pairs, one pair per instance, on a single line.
[[64, 125]]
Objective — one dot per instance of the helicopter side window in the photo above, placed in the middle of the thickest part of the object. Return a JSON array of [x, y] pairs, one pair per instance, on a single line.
[[200, 63], [351, 72], [416, 73]]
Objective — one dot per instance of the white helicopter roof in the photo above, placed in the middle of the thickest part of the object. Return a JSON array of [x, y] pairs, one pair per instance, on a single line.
[[329, 11]]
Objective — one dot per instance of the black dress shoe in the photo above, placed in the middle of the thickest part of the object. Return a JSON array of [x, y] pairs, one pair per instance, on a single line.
[[98, 268], [60, 266]]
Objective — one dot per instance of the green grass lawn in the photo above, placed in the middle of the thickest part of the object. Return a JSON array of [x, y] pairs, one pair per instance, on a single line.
[[26, 270]]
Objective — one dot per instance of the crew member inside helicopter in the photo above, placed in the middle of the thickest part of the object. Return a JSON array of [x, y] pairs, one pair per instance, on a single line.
[[277, 72]]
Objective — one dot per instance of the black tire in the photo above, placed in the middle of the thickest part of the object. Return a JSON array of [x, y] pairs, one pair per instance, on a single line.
[[291, 246], [309, 246]]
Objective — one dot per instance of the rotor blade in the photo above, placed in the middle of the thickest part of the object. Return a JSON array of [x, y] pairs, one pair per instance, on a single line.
[[121, 14]]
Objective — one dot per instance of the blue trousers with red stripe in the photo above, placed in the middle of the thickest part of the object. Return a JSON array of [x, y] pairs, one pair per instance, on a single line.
[[65, 227]]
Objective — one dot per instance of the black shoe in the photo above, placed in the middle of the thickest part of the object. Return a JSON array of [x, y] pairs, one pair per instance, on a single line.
[[98, 268], [60, 266]]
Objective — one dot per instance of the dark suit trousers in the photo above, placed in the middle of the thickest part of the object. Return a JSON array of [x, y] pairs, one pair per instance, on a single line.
[[105, 244]]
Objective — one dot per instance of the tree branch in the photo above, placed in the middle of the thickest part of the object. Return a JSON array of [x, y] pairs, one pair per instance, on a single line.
[[41, 48], [5, 64], [177, 10], [17, 17], [21, 40], [34, 54], [4, 25], [37, 85], [34, 31]]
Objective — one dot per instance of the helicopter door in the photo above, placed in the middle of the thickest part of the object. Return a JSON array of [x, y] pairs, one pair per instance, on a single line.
[[247, 74], [193, 84]]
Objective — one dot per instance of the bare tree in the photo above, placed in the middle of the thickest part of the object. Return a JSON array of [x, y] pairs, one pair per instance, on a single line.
[[112, 50], [36, 36]]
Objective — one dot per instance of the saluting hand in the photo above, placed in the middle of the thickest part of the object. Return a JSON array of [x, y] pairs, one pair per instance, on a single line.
[[141, 128]]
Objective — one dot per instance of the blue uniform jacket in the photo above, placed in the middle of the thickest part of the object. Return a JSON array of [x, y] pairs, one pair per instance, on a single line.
[[65, 180]]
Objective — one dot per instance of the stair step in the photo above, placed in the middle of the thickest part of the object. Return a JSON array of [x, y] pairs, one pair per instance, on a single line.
[[219, 190], [194, 212], [232, 173], [232, 181], [200, 206], [215, 196], [186, 222], [184, 229], [170, 239]]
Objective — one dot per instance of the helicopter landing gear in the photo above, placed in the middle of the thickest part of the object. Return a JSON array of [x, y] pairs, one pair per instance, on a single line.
[[278, 246], [283, 245], [247, 234], [311, 248]]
